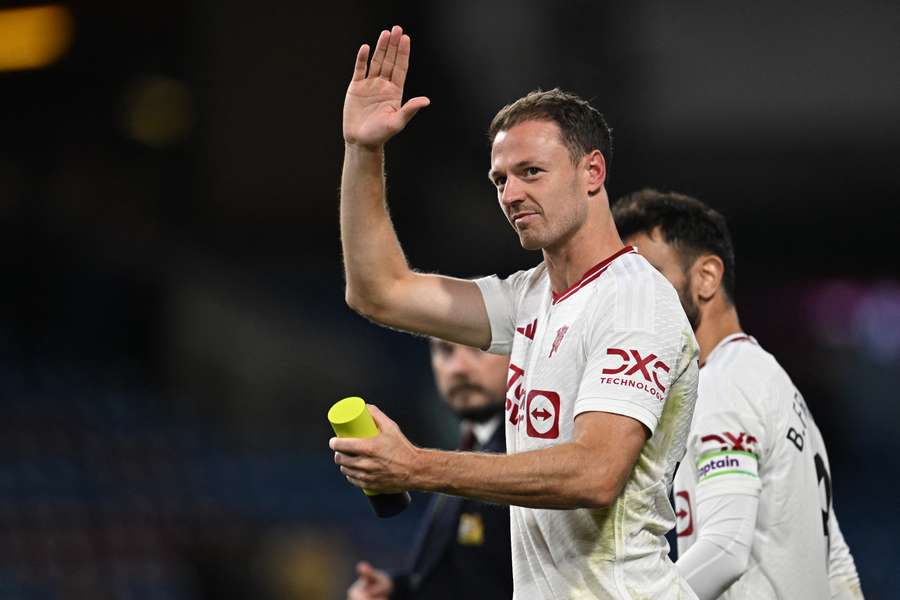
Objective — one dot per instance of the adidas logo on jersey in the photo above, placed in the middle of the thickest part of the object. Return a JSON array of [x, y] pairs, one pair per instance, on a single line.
[[528, 330]]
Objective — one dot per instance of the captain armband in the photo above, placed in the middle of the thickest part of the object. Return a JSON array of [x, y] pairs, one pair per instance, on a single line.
[[736, 464]]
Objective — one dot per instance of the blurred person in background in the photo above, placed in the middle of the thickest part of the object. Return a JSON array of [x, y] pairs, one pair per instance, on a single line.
[[462, 549], [603, 368], [753, 493]]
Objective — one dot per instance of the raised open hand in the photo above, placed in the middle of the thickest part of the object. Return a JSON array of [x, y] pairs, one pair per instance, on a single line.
[[373, 108]]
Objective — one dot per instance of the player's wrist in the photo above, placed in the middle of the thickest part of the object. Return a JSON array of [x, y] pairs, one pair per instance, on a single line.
[[364, 160], [358, 148], [422, 475]]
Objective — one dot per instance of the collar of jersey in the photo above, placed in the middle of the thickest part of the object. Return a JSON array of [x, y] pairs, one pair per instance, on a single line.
[[591, 274], [734, 337]]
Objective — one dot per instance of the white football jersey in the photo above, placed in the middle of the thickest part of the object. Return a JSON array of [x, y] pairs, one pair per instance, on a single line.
[[752, 433], [617, 341]]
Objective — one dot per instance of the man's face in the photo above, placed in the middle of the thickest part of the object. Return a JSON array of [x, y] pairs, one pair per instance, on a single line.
[[540, 191], [667, 260], [472, 382]]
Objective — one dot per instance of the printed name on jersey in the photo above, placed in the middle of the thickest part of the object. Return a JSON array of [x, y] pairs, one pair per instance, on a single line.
[[797, 435], [528, 330], [642, 372], [730, 462]]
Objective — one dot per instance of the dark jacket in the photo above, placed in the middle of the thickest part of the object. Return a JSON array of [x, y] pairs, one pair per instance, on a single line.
[[463, 548]]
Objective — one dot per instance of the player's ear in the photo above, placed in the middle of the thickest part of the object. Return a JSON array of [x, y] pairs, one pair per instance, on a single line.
[[708, 272], [595, 165]]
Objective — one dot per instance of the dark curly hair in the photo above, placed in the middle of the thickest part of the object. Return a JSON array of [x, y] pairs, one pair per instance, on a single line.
[[686, 223]]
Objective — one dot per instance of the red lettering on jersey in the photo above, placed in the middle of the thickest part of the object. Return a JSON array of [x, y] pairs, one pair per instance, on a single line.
[[657, 366], [517, 372], [714, 438], [739, 442], [640, 364], [514, 414], [637, 363], [620, 368], [513, 404]]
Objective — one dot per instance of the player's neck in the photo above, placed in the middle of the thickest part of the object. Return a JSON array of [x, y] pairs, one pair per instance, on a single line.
[[719, 319], [570, 260]]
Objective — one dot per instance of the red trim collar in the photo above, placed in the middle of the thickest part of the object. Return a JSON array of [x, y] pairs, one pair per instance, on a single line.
[[592, 274]]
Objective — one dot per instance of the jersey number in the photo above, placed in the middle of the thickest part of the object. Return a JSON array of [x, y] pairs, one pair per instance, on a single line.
[[824, 481]]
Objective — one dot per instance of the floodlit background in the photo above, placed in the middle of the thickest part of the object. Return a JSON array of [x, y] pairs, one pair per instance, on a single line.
[[172, 325]]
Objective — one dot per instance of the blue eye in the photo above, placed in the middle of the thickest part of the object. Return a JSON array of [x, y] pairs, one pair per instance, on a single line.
[[532, 171]]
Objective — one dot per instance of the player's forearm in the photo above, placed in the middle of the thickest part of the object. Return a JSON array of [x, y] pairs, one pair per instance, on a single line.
[[565, 476], [709, 569], [373, 258], [722, 551]]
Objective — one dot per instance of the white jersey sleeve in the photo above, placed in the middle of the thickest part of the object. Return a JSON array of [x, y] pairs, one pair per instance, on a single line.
[[630, 366], [754, 436], [501, 301], [727, 445], [722, 550]]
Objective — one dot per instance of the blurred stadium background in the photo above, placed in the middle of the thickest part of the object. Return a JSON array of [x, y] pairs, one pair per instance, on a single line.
[[172, 325]]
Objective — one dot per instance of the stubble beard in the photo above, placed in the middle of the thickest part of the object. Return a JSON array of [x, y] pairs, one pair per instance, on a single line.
[[481, 414], [691, 310], [528, 242], [482, 411], [550, 235]]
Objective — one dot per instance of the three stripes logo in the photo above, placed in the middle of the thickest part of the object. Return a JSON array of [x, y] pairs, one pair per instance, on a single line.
[[528, 330]]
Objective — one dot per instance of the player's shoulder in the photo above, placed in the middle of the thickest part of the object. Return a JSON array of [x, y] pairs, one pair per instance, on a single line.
[[526, 280], [741, 364], [632, 266], [740, 357], [641, 293]]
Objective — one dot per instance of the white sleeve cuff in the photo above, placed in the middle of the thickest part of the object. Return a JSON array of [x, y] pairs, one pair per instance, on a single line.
[[618, 407], [499, 313]]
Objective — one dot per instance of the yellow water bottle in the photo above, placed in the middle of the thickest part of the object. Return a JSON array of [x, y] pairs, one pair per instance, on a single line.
[[350, 418]]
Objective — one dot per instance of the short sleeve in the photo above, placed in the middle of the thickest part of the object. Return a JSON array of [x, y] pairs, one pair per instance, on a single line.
[[633, 364], [728, 445], [501, 300]]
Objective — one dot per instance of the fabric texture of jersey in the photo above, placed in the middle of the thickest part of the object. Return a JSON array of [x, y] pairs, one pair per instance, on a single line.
[[753, 434], [617, 341]]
